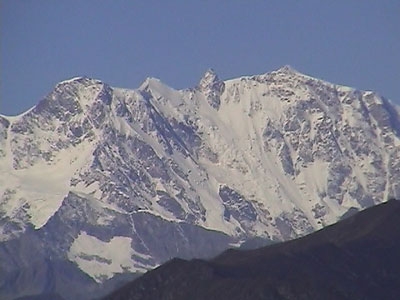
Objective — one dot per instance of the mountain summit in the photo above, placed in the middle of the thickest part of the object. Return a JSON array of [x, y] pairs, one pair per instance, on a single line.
[[117, 181], [212, 88]]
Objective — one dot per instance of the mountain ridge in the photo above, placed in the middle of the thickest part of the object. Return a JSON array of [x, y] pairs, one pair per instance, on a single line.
[[94, 169], [324, 264]]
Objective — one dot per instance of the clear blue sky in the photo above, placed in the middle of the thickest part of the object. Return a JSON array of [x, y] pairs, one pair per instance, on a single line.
[[353, 42]]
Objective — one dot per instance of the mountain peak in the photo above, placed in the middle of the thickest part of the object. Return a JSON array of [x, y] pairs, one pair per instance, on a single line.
[[209, 78], [79, 80], [148, 82], [73, 96], [212, 87], [287, 69], [73, 79]]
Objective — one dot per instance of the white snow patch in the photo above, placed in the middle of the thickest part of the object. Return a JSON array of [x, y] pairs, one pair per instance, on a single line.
[[40, 189], [71, 80], [101, 260]]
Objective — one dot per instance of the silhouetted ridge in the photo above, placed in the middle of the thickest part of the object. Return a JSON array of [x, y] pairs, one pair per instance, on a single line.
[[379, 222], [357, 258]]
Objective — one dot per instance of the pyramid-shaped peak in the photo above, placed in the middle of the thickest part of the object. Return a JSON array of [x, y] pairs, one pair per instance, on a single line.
[[210, 72], [149, 81], [209, 79], [287, 69]]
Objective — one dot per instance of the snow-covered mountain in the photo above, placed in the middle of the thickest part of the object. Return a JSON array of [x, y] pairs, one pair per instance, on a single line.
[[116, 180]]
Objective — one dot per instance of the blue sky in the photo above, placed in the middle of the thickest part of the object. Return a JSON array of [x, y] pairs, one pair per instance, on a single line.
[[353, 42]]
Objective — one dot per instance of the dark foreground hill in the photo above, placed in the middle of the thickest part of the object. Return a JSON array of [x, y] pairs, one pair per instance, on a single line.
[[357, 258]]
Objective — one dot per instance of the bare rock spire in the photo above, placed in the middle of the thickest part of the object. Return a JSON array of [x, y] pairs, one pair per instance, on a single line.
[[212, 88]]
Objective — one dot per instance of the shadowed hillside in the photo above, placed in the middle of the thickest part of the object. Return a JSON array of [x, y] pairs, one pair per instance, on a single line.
[[357, 258]]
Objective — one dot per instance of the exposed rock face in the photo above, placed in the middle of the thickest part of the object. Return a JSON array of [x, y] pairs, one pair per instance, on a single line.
[[154, 173], [212, 88]]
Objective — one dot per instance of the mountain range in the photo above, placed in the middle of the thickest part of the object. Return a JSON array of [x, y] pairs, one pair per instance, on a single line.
[[100, 184]]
